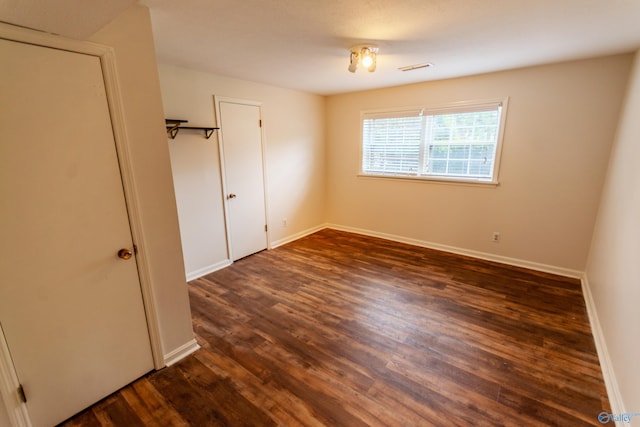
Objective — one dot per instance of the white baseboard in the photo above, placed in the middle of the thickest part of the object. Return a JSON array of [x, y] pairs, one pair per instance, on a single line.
[[615, 398], [181, 352], [297, 236], [461, 251], [192, 275]]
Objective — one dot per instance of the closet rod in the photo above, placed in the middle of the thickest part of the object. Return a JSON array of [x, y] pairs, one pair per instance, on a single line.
[[174, 126]]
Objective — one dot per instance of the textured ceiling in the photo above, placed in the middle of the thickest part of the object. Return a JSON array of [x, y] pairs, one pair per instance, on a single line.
[[71, 18], [304, 44]]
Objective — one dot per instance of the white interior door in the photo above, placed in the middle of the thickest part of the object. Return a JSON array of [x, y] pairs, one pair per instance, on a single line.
[[244, 177], [71, 309]]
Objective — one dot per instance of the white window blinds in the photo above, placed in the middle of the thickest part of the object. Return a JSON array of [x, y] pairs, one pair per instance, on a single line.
[[455, 142], [391, 143]]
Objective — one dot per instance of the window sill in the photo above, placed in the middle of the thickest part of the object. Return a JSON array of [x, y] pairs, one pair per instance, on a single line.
[[434, 179]]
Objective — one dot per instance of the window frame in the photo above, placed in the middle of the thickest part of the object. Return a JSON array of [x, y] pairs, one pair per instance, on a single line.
[[452, 107]]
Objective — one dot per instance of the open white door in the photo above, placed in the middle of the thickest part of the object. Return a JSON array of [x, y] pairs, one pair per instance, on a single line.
[[241, 142], [70, 306]]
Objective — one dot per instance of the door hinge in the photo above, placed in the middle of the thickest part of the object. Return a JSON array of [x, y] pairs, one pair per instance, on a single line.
[[21, 395], [266, 227], [135, 249], [260, 122]]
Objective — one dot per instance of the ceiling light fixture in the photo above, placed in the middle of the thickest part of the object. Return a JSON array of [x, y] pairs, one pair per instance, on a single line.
[[364, 56]]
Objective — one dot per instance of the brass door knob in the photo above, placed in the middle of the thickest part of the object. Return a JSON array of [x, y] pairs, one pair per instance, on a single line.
[[231, 196], [125, 253]]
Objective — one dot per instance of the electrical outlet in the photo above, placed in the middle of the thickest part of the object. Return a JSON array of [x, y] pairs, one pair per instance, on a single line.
[[496, 237], [284, 222]]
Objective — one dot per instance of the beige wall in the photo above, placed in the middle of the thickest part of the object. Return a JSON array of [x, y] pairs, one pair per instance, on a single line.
[[130, 36], [295, 159], [4, 418], [559, 129], [561, 125], [613, 270]]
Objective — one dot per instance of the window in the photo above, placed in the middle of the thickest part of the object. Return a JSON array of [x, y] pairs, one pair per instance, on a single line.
[[456, 142]]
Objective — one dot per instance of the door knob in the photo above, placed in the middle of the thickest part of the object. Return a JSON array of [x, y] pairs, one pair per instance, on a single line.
[[231, 196], [125, 253]]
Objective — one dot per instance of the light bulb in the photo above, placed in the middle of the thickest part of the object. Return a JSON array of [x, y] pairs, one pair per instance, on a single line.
[[367, 59]]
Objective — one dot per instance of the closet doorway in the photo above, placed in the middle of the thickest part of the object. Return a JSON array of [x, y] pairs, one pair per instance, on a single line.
[[71, 307], [243, 178]]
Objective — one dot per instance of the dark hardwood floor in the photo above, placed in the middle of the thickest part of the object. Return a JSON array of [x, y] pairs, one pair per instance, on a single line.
[[339, 329]]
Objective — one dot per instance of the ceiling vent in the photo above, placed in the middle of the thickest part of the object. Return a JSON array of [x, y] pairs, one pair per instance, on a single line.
[[416, 67]]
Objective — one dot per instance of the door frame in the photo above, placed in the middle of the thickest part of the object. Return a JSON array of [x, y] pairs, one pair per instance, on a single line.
[[225, 203], [9, 383], [106, 56]]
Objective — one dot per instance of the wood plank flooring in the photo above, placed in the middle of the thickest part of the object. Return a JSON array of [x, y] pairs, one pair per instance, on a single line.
[[338, 329]]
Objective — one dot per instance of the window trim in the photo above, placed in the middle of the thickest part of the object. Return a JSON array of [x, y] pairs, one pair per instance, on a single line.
[[458, 106]]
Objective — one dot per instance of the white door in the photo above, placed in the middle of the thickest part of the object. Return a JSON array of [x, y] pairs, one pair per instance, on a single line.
[[71, 309], [241, 136]]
